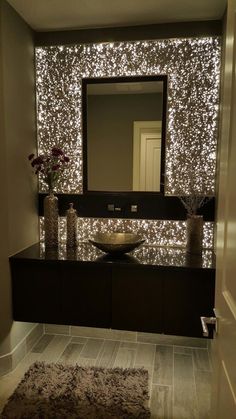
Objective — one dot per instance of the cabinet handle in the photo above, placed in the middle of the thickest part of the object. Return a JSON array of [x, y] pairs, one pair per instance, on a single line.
[[205, 321]]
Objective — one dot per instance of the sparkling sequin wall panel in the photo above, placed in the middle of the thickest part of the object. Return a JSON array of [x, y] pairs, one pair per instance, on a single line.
[[155, 232], [193, 69]]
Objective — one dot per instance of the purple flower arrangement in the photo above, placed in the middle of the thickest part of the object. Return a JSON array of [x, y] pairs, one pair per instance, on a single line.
[[50, 165]]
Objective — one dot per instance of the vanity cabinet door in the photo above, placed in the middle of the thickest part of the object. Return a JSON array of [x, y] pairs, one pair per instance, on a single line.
[[36, 292], [187, 295], [136, 298], [86, 290]]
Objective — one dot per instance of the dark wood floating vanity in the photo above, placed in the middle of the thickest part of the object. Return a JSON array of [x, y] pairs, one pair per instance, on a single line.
[[154, 289]]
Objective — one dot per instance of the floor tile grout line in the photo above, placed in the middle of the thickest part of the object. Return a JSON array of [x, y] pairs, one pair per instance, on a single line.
[[186, 347], [202, 369], [172, 345], [151, 381], [58, 357], [74, 337], [94, 359], [57, 334], [64, 349], [130, 350], [173, 385], [79, 352], [97, 360], [117, 353], [124, 340], [102, 338], [120, 347], [31, 350], [210, 359], [41, 353], [195, 385], [136, 352], [100, 351], [45, 346], [72, 343]]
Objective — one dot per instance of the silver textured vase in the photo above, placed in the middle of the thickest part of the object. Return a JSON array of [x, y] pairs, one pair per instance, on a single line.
[[51, 220], [71, 227], [194, 234]]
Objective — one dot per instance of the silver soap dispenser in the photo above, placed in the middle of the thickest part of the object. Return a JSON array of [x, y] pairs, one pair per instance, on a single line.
[[71, 227]]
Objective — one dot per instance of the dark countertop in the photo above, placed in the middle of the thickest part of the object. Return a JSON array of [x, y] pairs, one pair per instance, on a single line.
[[144, 255]]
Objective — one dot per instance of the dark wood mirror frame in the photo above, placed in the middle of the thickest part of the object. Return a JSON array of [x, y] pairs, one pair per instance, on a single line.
[[135, 79]]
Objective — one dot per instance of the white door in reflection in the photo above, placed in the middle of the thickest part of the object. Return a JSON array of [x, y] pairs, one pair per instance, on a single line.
[[147, 156]]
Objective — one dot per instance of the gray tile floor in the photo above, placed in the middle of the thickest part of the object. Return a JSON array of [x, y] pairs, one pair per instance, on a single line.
[[179, 376]]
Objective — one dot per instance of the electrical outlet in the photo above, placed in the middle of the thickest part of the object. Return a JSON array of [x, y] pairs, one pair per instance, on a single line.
[[134, 208], [110, 207]]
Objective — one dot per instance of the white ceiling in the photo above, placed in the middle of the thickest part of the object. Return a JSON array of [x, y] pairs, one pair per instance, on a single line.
[[45, 15]]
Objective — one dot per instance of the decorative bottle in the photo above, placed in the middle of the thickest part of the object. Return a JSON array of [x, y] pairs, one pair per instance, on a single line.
[[71, 227]]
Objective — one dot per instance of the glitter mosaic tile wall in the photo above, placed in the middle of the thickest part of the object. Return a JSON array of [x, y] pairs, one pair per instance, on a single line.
[[193, 69], [155, 232]]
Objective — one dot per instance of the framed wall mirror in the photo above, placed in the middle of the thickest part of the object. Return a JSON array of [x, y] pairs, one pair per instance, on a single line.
[[124, 127]]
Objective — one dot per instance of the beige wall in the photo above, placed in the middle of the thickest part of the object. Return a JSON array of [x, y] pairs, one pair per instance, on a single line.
[[18, 212]]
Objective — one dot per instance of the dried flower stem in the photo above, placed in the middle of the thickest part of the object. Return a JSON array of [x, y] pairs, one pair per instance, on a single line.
[[193, 202]]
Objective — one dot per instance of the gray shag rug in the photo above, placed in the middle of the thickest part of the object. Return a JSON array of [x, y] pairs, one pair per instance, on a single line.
[[57, 391]]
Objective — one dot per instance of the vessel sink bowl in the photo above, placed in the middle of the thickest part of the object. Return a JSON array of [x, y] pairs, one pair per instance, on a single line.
[[116, 243]]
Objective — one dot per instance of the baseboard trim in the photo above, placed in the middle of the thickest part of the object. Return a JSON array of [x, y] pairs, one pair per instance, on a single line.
[[9, 361], [131, 336]]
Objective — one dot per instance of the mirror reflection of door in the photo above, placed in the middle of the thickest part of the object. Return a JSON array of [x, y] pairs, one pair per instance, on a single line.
[[112, 108], [147, 156]]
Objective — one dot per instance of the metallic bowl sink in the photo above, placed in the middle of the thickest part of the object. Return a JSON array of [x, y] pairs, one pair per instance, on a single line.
[[116, 243]]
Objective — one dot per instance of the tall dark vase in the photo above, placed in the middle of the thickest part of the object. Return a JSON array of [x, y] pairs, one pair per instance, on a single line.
[[51, 220], [194, 234]]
